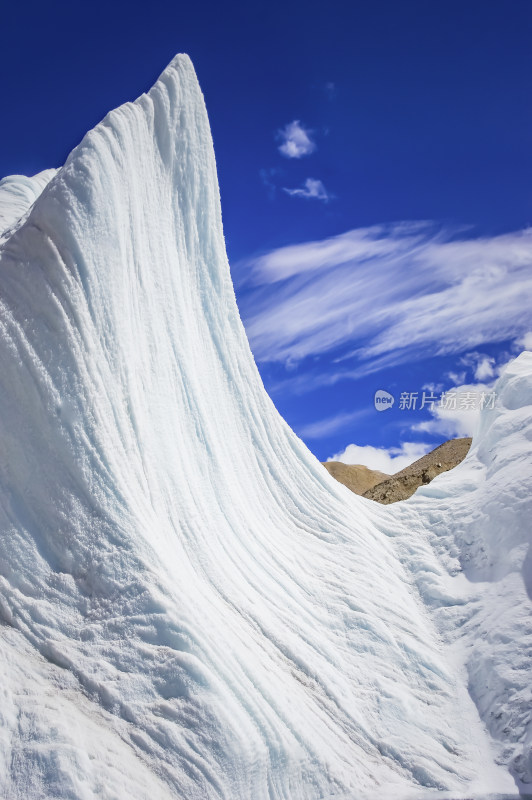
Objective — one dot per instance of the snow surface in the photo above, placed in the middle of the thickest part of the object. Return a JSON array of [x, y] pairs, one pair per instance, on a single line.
[[17, 195], [191, 606]]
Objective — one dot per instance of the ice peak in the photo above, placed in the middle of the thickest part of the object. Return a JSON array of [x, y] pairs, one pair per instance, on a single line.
[[180, 578]]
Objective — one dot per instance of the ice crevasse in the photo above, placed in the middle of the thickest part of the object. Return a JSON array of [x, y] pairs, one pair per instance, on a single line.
[[190, 606]]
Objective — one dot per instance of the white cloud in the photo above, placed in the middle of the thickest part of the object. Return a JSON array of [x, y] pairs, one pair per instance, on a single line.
[[387, 295], [312, 189], [296, 140], [388, 460], [456, 377], [485, 368], [435, 388], [325, 427], [525, 342], [482, 366], [455, 422], [462, 420]]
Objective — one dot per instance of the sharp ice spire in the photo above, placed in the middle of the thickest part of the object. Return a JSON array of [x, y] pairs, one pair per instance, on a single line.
[[192, 606]]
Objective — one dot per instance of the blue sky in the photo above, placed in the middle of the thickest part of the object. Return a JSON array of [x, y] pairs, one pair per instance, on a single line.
[[375, 166]]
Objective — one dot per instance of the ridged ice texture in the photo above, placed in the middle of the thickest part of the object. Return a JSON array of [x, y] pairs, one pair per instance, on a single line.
[[477, 519], [17, 194], [192, 607]]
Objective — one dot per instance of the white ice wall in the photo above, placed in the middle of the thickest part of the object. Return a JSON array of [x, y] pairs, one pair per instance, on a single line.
[[198, 604]]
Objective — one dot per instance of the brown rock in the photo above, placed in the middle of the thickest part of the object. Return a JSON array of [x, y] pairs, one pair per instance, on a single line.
[[404, 483], [356, 477]]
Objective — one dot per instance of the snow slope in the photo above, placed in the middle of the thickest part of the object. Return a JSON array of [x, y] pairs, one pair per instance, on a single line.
[[192, 607], [477, 518]]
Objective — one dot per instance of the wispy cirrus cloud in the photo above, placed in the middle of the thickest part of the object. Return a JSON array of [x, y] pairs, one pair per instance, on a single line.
[[296, 140], [381, 296], [325, 427], [312, 189]]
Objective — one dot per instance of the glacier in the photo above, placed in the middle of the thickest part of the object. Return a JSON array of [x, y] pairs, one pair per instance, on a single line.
[[190, 606]]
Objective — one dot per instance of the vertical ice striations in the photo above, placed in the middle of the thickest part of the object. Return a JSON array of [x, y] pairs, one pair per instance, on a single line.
[[207, 613]]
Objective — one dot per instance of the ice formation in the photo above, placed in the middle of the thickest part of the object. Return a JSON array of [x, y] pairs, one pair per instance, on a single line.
[[191, 607]]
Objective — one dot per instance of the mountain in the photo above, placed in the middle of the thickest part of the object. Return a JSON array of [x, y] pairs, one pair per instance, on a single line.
[[356, 477], [386, 489], [404, 483], [190, 606]]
